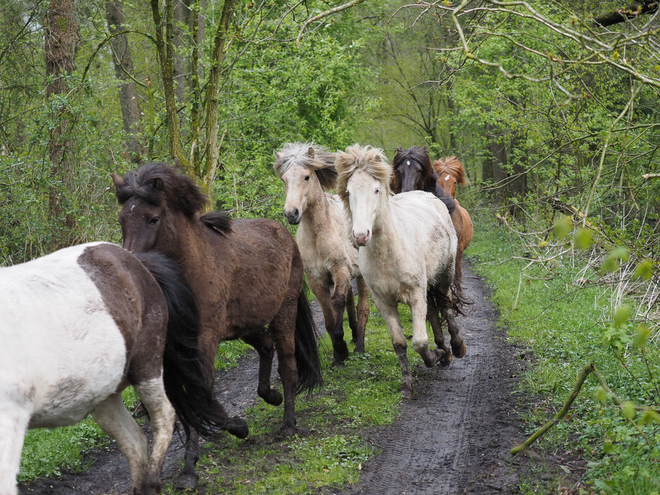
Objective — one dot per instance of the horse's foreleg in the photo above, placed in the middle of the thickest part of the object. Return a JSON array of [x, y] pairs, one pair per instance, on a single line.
[[113, 418], [264, 347], [342, 279], [13, 426], [161, 419], [322, 293], [390, 314], [350, 310], [432, 313], [420, 339], [188, 477], [363, 313], [283, 330]]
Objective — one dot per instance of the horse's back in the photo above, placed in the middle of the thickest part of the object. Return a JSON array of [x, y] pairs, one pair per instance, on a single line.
[[64, 349], [426, 227]]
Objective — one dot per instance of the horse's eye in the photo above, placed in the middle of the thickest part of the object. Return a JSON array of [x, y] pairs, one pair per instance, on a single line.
[[153, 221], [376, 191], [306, 177]]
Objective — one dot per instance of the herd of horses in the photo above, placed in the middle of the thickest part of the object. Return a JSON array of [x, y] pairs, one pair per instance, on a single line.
[[83, 323]]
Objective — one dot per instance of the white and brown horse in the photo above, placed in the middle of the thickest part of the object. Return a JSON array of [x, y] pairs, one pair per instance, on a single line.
[[329, 256], [80, 325], [407, 254]]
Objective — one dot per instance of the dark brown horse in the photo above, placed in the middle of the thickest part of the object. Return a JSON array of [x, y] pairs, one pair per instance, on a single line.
[[247, 277], [451, 172], [413, 172]]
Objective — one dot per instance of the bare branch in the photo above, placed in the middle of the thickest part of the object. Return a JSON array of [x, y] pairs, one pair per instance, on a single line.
[[327, 13]]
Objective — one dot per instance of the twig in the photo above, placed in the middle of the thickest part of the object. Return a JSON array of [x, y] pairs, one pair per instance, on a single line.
[[348, 5]]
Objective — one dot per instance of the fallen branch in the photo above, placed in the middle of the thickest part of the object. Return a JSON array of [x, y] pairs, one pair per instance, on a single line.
[[588, 368], [622, 15], [651, 176]]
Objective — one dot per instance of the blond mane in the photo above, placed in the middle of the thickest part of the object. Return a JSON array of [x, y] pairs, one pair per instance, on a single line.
[[450, 165], [367, 158], [316, 158]]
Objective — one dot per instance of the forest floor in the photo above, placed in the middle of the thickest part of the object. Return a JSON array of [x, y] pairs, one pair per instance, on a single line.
[[453, 437]]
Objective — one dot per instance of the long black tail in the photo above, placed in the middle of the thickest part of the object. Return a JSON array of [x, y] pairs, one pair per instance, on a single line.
[[307, 351], [186, 383]]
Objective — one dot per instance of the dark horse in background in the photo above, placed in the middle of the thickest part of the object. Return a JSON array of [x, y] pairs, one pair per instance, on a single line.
[[413, 171], [247, 278]]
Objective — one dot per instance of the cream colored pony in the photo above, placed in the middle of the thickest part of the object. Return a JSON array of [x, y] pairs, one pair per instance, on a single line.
[[330, 258], [407, 254]]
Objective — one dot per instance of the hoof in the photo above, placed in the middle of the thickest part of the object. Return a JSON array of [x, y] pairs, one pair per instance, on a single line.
[[288, 431], [359, 349], [272, 397], [406, 391], [445, 359], [187, 481], [338, 365], [342, 355], [459, 350], [238, 427]]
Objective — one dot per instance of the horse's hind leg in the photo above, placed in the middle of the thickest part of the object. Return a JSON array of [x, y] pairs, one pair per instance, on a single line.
[[436, 325], [113, 418], [13, 426], [263, 344], [457, 344], [283, 328], [339, 347], [161, 419], [350, 311]]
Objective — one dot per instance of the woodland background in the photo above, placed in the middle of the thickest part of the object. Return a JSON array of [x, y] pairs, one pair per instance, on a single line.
[[553, 107]]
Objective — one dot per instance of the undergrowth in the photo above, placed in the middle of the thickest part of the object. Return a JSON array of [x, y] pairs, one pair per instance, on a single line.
[[561, 311]]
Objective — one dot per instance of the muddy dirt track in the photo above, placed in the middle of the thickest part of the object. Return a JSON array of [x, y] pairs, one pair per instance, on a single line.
[[453, 437]]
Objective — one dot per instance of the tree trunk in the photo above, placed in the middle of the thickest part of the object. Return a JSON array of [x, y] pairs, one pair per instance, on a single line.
[[128, 96], [61, 37], [181, 10]]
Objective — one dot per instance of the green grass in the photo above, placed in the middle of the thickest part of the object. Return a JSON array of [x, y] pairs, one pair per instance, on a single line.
[[329, 448], [566, 325]]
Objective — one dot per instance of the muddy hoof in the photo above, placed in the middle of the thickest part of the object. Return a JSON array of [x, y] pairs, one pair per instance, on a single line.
[[443, 357], [287, 431], [272, 397], [238, 427], [458, 351], [187, 481], [338, 364], [406, 391]]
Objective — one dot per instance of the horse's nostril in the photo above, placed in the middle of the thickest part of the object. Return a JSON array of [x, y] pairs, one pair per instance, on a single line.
[[296, 212]]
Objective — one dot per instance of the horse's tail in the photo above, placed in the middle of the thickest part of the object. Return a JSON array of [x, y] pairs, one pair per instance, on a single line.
[[307, 351], [186, 382]]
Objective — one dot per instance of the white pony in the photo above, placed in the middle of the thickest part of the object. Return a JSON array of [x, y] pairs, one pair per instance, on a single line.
[[407, 245], [329, 256]]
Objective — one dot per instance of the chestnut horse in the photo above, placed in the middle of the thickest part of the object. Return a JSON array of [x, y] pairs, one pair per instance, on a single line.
[[329, 256], [80, 325], [451, 172], [247, 277], [407, 254]]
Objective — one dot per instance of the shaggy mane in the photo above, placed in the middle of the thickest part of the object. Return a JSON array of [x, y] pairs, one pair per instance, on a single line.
[[160, 184], [321, 161], [366, 158], [450, 165]]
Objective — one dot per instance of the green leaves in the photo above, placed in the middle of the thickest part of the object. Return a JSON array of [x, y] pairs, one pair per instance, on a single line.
[[621, 315], [563, 227], [583, 238], [644, 271], [614, 259]]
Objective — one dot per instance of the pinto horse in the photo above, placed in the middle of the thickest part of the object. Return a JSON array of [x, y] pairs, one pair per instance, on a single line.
[[80, 325], [330, 258], [247, 278], [451, 172], [407, 254]]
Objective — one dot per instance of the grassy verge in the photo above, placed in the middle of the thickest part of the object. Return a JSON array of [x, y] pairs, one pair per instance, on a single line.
[[564, 320]]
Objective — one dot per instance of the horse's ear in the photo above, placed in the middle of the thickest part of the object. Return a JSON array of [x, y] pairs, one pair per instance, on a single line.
[[117, 181], [310, 152], [158, 183], [399, 148], [378, 159], [277, 155]]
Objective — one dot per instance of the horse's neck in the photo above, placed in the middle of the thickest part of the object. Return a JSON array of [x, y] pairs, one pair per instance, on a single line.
[[385, 237], [317, 213]]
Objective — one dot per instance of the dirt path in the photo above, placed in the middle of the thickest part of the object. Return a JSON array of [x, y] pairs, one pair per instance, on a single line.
[[453, 437]]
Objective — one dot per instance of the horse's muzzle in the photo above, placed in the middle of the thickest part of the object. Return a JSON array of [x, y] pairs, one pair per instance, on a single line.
[[293, 216], [362, 239]]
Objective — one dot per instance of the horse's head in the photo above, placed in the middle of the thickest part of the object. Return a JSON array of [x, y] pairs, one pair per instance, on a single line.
[[450, 172], [363, 185], [305, 170], [412, 170], [153, 198]]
